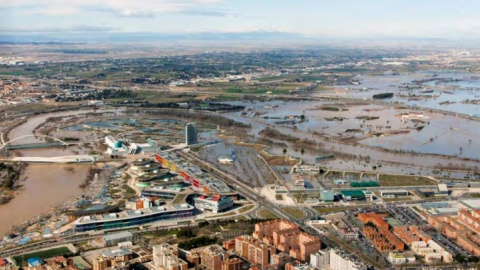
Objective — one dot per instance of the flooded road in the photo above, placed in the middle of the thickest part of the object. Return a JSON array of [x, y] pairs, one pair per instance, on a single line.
[[434, 93], [442, 135]]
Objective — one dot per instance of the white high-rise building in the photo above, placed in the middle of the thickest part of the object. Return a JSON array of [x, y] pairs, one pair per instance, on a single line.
[[320, 260], [334, 260]]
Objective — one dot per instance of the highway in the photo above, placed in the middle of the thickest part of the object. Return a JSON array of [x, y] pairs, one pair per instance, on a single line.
[[77, 238], [252, 194]]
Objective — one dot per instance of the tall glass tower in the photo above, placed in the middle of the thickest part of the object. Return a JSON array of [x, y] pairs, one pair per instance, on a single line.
[[191, 134]]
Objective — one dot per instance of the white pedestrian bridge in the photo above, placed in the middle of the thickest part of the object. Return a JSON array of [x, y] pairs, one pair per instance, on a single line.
[[59, 159]]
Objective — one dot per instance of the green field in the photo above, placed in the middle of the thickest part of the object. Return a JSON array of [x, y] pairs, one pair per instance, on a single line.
[[388, 180], [264, 213], [294, 212], [246, 208], [44, 254], [256, 91]]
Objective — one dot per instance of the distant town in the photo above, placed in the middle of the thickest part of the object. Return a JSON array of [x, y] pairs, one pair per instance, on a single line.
[[333, 157]]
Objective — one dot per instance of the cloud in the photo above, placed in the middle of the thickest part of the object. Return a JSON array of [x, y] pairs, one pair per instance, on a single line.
[[210, 12], [124, 8], [56, 29]]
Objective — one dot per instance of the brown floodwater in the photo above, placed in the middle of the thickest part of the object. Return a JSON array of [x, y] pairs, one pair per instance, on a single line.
[[46, 186]]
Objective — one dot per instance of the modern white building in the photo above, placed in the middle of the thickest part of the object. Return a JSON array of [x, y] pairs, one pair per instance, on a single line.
[[397, 258], [321, 259], [335, 260], [166, 257], [225, 160], [215, 203], [432, 251], [112, 142], [117, 147]]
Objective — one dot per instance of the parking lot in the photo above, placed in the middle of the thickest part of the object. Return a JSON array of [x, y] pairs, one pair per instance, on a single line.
[[406, 215]]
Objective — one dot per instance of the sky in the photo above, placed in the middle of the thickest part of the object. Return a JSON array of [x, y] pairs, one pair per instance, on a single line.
[[312, 18]]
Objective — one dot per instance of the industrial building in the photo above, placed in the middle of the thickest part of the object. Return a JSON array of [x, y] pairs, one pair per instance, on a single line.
[[305, 169], [327, 196], [470, 203], [191, 134], [440, 190], [214, 203], [133, 217], [356, 195], [115, 238], [225, 160], [392, 193]]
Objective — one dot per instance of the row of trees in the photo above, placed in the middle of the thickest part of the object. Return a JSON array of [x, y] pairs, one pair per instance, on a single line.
[[10, 175]]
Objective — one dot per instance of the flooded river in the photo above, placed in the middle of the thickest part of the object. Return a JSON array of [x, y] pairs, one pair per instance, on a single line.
[[45, 185]]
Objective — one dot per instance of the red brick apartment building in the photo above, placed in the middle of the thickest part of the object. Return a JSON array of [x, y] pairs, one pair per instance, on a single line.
[[287, 237], [377, 230], [409, 234], [464, 228]]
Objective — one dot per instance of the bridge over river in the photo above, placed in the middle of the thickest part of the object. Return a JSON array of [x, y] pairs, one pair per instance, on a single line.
[[55, 143], [59, 159]]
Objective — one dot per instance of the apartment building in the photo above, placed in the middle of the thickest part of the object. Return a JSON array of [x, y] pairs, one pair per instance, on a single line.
[[334, 259], [165, 257], [209, 257], [287, 237], [409, 234], [377, 230], [253, 250], [432, 251]]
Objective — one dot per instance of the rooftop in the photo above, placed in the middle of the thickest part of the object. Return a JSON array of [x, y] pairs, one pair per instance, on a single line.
[[133, 213], [471, 203], [116, 252], [353, 193], [119, 235]]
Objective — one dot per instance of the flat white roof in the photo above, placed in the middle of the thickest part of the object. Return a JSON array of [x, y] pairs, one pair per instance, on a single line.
[[402, 190], [471, 203]]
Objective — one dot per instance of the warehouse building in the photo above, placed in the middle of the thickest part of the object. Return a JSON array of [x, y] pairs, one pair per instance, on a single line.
[[392, 193], [356, 195]]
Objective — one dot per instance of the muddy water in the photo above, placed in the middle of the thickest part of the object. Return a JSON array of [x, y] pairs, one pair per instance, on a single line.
[[46, 186], [33, 122], [298, 107]]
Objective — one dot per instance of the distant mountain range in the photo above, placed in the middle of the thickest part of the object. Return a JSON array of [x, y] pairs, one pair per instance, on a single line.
[[147, 37]]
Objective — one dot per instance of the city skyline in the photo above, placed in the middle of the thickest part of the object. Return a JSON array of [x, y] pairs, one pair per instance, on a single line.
[[311, 19]]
